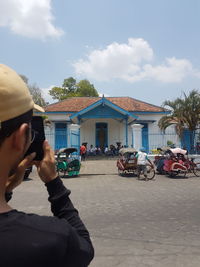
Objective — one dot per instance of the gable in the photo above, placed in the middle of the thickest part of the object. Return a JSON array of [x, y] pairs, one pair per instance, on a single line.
[[112, 109], [102, 111]]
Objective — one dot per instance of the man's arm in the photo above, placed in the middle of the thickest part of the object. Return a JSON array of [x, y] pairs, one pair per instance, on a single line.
[[149, 161], [62, 207]]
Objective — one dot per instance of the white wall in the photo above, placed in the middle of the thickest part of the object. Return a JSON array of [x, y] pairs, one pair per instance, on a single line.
[[116, 131], [87, 132]]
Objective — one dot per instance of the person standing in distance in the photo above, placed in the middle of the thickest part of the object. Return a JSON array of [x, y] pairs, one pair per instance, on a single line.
[[29, 239]]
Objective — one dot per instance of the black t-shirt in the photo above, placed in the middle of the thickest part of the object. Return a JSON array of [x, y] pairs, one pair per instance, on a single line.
[[28, 240]]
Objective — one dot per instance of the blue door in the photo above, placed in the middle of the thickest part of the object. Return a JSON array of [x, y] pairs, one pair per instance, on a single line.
[[187, 140], [101, 135], [60, 135], [145, 137]]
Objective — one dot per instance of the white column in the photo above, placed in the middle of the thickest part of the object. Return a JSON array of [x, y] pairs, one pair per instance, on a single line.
[[137, 135]]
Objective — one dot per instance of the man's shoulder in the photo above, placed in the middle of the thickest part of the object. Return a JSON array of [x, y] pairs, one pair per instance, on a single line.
[[36, 222]]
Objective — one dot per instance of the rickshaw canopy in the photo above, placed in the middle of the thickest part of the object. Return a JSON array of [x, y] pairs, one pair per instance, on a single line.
[[178, 150], [67, 150]]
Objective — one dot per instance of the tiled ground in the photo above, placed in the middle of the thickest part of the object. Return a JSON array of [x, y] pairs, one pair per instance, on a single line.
[[132, 223]]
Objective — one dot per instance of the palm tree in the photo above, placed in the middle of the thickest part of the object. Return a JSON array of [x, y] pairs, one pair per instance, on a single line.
[[191, 110], [174, 118], [185, 113]]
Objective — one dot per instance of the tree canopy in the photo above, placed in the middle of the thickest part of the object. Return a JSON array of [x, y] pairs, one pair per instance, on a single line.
[[71, 88], [185, 115], [35, 92], [37, 95], [185, 112]]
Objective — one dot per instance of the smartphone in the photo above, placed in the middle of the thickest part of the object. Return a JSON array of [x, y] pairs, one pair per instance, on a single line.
[[37, 144]]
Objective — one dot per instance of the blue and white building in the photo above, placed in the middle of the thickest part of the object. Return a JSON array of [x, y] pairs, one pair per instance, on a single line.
[[102, 121]]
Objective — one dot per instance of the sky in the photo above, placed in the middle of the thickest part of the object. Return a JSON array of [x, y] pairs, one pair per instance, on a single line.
[[145, 49]]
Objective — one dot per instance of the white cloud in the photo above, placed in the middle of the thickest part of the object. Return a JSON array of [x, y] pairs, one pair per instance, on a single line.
[[132, 62], [116, 61], [171, 71], [30, 18], [46, 95]]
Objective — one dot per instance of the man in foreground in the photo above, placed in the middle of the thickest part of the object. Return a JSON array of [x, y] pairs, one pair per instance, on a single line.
[[28, 239]]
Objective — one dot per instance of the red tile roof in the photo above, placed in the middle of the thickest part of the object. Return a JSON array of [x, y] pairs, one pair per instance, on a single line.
[[75, 104]]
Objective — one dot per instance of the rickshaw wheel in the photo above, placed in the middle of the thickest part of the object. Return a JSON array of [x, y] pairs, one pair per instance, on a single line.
[[120, 172], [196, 169], [61, 172], [151, 173], [173, 174], [183, 174]]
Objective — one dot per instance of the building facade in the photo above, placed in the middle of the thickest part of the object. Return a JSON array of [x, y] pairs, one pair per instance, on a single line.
[[105, 121]]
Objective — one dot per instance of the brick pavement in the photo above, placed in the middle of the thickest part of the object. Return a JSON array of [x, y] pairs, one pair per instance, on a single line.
[[132, 223]]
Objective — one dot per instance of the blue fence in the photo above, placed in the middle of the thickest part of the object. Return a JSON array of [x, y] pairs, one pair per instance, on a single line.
[[189, 141]]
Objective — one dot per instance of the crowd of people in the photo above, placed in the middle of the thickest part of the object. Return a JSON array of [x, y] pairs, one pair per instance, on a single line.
[[97, 150]]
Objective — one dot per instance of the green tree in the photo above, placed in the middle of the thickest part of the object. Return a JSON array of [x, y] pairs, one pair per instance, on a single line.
[[69, 84], [71, 88], [37, 95], [185, 113], [58, 93], [191, 110], [174, 118], [85, 88], [35, 92]]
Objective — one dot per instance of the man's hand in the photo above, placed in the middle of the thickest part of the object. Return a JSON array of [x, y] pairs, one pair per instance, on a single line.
[[47, 167], [18, 176]]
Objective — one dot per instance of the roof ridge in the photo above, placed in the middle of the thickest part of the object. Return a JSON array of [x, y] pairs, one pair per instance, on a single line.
[[70, 98], [146, 103], [138, 101]]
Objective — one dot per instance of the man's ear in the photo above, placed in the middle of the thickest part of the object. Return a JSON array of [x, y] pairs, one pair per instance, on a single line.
[[20, 137]]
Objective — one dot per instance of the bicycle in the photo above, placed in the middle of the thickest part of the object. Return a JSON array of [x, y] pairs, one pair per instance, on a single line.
[[149, 174], [192, 167]]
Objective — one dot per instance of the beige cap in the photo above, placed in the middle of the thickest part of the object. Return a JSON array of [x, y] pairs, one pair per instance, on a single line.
[[15, 98]]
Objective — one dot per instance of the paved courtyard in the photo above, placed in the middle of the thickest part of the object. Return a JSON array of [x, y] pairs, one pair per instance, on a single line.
[[132, 223]]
